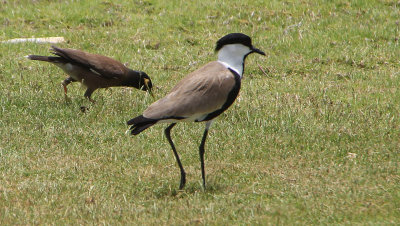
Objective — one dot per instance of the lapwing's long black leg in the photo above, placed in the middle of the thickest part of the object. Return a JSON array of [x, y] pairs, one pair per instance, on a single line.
[[183, 174], [201, 152]]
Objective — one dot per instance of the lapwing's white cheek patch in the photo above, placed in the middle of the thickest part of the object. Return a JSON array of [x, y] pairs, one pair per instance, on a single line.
[[232, 56]]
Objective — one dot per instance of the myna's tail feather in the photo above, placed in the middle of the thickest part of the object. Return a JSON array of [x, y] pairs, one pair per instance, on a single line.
[[140, 123], [44, 58]]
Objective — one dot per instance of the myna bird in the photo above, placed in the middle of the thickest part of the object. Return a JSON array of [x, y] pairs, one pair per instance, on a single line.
[[202, 95], [94, 71]]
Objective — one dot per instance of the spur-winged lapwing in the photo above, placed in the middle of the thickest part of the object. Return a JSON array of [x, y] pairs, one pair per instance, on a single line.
[[202, 95], [94, 71]]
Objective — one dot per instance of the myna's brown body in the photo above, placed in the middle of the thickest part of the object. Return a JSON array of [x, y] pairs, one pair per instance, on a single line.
[[94, 71]]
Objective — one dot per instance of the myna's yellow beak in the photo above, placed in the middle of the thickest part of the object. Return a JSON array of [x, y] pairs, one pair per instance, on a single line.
[[146, 83]]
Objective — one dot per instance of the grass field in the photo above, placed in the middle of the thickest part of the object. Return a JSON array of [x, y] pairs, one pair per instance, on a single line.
[[314, 140]]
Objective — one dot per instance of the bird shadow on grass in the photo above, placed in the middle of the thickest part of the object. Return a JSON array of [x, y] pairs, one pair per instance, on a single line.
[[82, 105], [189, 190]]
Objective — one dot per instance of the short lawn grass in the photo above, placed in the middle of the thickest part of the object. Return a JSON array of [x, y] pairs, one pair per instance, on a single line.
[[314, 138]]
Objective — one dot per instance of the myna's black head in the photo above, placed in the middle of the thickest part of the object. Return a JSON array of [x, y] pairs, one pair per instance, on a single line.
[[145, 82], [139, 80]]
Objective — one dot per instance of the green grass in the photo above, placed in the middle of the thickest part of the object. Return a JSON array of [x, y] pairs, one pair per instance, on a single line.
[[315, 140]]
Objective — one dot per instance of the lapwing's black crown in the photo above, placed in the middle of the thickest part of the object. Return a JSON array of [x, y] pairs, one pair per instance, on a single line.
[[234, 38]]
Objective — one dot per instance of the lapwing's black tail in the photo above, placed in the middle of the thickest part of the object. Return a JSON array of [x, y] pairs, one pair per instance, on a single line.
[[140, 123]]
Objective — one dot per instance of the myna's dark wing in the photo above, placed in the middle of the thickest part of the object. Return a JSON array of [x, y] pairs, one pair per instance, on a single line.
[[100, 65]]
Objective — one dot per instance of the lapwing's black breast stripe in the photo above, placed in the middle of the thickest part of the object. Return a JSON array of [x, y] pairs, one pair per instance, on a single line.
[[231, 98]]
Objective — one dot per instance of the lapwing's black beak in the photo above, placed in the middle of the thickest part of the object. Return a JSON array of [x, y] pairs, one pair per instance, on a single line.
[[255, 50]]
